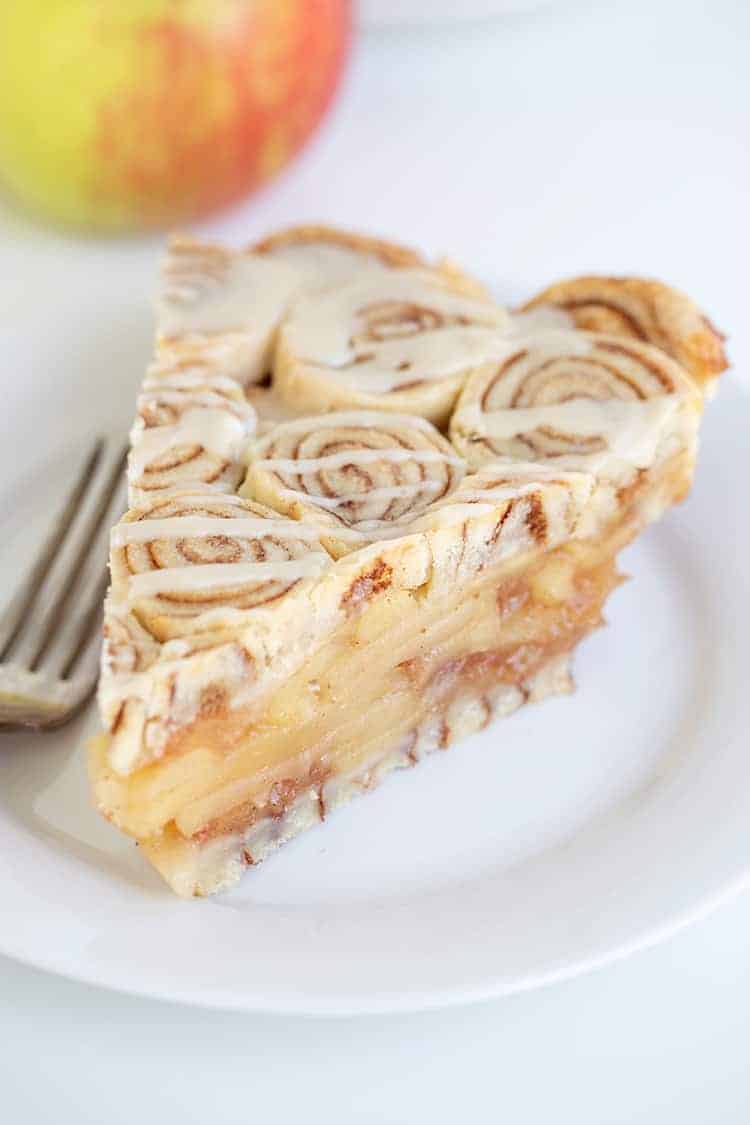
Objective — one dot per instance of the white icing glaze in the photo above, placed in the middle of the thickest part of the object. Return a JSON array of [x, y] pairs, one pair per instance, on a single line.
[[552, 338], [197, 495], [324, 264], [185, 399], [392, 492], [368, 419], [544, 318], [250, 292], [336, 531], [432, 356], [189, 578], [631, 429], [203, 527], [385, 529], [243, 356], [217, 430], [157, 379], [358, 457], [320, 330]]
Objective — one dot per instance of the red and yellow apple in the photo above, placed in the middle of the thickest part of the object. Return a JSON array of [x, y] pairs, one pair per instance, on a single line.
[[131, 113]]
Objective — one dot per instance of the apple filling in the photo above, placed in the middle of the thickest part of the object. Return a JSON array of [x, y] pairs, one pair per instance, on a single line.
[[428, 671]]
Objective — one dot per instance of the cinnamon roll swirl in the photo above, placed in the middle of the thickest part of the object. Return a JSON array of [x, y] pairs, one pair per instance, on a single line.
[[357, 477], [400, 342], [190, 432], [578, 400], [225, 306], [164, 400], [192, 561], [642, 310]]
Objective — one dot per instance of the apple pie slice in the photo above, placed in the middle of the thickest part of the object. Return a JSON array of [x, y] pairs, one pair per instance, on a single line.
[[301, 604]]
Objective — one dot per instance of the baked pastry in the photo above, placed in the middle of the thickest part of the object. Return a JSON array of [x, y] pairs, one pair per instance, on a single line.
[[617, 408], [642, 309], [191, 427], [299, 606], [242, 726], [356, 477], [400, 341], [218, 315], [331, 256], [225, 306]]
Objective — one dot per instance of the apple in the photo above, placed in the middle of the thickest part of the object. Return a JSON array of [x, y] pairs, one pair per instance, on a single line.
[[131, 113]]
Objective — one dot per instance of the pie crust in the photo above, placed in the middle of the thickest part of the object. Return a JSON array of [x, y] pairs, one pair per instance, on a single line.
[[642, 309], [400, 536]]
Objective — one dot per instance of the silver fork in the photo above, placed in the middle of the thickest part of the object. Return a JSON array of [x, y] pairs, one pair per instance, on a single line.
[[49, 633]]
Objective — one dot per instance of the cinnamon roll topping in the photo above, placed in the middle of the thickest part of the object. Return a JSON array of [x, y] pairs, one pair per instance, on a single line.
[[190, 560], [358, 476], [644, 310], [582, 400]]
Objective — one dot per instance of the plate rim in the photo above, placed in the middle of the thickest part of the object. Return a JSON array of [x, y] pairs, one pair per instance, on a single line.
[[731, 880], [397, 1003]]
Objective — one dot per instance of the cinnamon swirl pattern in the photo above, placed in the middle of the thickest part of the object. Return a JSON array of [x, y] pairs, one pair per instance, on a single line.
[[190, 432], [357, 477], [191, 561], [225, 306], [578, 400], [400, 342], [642, 310]]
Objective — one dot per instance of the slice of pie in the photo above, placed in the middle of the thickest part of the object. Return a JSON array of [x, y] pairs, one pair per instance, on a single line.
[[316, 585]]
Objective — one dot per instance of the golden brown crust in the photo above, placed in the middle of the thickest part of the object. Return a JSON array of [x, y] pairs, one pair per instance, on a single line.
[[645, 310], [389, 253]]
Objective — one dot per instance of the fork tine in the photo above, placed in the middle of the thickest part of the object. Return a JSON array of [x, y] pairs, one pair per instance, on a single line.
[[15, 613], [84, 668], [48, 605], [86, 595]]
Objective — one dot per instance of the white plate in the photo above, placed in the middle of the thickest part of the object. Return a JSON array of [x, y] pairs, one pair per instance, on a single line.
[[563, 837]]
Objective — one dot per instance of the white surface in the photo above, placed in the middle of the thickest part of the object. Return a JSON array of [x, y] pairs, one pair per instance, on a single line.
[[390, 13], [550, 842], [631, 154]]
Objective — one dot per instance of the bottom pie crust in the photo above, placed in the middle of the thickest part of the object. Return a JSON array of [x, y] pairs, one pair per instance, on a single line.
[[195, 867]]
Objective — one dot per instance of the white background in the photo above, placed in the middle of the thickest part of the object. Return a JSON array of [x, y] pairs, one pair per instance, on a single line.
[[607, 137]]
